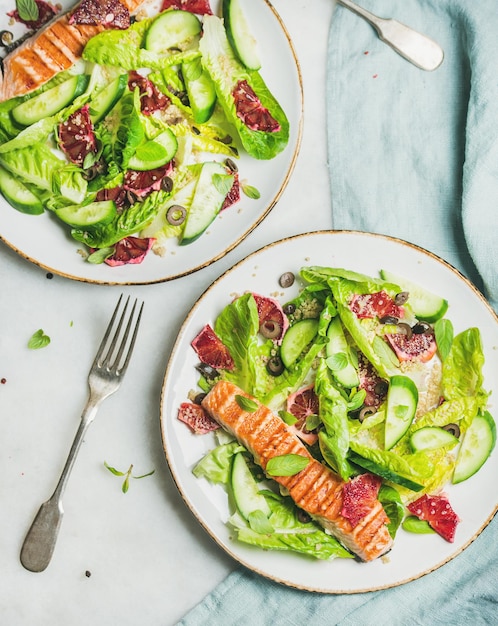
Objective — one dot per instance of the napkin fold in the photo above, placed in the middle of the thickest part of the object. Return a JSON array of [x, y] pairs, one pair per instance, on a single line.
[[414, 155]]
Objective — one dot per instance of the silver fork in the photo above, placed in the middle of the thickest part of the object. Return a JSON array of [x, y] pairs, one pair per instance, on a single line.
[[104, 379]]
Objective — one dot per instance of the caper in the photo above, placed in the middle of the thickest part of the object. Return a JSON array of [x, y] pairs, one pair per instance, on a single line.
[[401, 298], [286, 280], [405, 329], [422, 328], [207, 371], [232, 166], [454, 429], [167, 184], [381, 388], [388, 319], [176, 214], [365, 412], [275, 366], [6, 38], [289, 308], [270, 329]]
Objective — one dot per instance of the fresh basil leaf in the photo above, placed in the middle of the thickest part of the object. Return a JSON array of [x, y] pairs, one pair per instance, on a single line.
[[337, 361], [100, 255], [286, 465], [312, 421], [443, 331], [28, 10], [246, 404], [151, 151], [38, 340], [356, 399], [415, 525], [287, 417], [223, 183], [250, 191], [259, 522]]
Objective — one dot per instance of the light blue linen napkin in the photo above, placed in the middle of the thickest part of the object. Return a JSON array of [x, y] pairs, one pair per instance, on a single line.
[[414, 155]]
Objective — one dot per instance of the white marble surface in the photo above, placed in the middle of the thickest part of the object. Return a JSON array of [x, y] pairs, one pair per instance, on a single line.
[[149, 560]]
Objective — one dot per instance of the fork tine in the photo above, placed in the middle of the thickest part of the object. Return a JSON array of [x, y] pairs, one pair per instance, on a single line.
[[99, 357], [106, 357], [133, 337]]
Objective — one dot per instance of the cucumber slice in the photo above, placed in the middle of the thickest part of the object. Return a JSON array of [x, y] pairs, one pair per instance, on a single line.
[[18, 195], [206, 203], [338, 349], [170, 29], [49, 102], [105, 99], [431, 438], [200, 89], [155, 153], [402, 399], [478, 443], [425, 304], [88, 215], [296, 339], [242, 41], [384, 472], [245, 489]]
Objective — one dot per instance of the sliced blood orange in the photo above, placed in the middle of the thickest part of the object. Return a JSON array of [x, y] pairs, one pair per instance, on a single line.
[[438, 512], [76, 136], [211, 350], [377, 304], [359, 495], [271, 317], [151, 99], [200, 7], [374, 386], [196, 418], [301, 405], [109, 13], [250, 110], [130, 250], [415, 348]]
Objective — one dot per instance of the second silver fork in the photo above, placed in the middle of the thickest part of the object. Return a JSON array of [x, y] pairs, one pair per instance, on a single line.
[[104, 379]]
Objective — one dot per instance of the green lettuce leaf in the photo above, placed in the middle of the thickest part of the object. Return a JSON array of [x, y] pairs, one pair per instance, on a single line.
[[216, 465], [333, 412], [462, 368], [289, 533], [226, 71], [131, 221]]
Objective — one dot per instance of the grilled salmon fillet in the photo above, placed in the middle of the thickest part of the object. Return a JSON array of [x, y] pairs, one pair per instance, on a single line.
[[54, 48], [316, 489]]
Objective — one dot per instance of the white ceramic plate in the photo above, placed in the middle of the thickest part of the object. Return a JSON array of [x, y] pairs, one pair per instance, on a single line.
[[43, 241], [475, 500]]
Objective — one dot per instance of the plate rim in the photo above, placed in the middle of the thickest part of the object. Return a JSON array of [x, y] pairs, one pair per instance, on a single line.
[[163, 419], [271, 203]]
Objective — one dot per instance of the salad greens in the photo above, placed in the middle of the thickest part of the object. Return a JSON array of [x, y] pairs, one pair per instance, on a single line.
[[133, 123], [349, 430]]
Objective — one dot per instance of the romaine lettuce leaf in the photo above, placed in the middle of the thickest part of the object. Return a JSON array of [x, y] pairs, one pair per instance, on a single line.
[[289, 533], [226, 71], [130, 221], [333, 412], [216, 465], [38, 166], [122, 48], [462, 368]]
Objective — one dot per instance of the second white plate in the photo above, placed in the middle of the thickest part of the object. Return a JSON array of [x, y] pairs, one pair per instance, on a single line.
[[475, 500]]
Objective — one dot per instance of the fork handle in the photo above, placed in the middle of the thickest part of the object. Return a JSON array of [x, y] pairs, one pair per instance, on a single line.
[[409, 43], [39, 544]]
